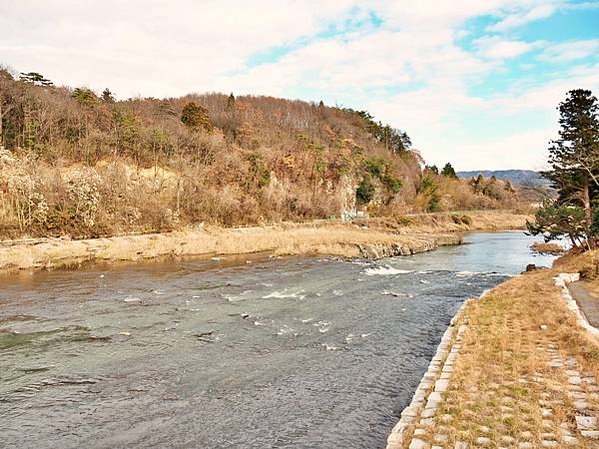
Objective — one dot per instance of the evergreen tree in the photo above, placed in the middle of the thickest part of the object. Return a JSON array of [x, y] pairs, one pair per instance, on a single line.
[[196, 117], [574, 157], [107, 96], [554, 220], [231, 102], [448, 171], [36, 79], [394, 139], [432, 168], [85, 96], [429, 188]]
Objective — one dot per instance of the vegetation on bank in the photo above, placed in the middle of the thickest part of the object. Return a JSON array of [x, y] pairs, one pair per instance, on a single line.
[[372, 238], [513, 380], [81, 164]]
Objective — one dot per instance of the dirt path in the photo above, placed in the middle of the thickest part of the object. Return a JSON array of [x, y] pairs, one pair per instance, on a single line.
[[587, 301]]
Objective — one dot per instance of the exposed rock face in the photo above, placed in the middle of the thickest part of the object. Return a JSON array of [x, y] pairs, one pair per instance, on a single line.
[[421, 245], [380, 251], [347, 193]]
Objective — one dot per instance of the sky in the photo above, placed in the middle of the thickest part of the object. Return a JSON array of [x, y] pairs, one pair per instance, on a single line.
[[473, 82]]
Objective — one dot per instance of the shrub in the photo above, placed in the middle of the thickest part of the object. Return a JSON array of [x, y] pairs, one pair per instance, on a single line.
[[430, 189], [365, 191], [467, 220], [196, 117]]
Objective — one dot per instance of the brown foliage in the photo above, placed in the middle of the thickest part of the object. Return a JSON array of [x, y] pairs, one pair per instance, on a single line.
[[79, 165]]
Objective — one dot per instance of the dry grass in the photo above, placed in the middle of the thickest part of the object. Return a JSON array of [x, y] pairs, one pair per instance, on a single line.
[[82, 167], [371, 238], [334, 239], [503, 380], [461, 221]]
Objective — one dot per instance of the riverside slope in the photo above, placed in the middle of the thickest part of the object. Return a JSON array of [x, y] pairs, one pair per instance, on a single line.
[[368, 238]]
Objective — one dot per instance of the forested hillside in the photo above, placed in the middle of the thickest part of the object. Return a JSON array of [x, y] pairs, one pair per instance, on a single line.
[[81, 163]]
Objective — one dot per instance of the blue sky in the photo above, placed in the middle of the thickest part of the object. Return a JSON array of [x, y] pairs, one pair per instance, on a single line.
[[475, 83]]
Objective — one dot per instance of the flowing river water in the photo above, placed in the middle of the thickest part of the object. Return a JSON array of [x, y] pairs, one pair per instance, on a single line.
[[280, 353]]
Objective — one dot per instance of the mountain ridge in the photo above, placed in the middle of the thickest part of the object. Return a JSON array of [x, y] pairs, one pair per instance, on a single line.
[[520, 177]]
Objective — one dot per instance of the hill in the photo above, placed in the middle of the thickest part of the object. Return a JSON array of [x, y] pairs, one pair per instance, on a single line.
[[527, 178], [76, 162]]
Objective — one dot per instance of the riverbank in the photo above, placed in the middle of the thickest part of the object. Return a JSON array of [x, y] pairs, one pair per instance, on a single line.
[[525, 376], [365, 238]]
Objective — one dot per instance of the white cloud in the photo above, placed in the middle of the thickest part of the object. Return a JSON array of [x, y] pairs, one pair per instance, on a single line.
[[526, 149], [437, 118], [383, 58], [495, 47], [534, 97], [164, 48], [522, 17], [159, 47], [570, 51], [154, 47]]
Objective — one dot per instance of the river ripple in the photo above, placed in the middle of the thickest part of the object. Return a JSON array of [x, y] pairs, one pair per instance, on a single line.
[[288, 353]]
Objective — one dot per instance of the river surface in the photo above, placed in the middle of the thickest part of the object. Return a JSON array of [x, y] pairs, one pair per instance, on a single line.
[[281, 353]]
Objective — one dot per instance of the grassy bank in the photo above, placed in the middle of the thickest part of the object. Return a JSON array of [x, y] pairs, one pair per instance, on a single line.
[[527, 374], [373, 239]]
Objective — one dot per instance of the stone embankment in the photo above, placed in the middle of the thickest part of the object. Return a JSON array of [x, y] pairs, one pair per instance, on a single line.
[[416, 425]]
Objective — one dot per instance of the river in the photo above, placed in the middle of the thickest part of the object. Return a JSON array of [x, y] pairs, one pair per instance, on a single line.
[[267, 353]]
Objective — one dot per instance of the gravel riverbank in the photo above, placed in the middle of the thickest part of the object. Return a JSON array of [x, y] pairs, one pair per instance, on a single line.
[[369, 239]]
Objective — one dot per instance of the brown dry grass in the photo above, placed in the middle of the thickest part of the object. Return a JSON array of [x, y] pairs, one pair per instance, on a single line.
[[593, 288], [83, 167], [318, 237], [458, 221], [334, 239], [503, 373]]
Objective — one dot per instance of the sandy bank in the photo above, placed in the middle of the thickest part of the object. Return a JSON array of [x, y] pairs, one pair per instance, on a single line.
[[371, 239]]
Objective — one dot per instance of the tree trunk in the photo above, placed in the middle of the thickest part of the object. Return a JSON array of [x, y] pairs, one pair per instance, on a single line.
[[586, 199], [574, 245]]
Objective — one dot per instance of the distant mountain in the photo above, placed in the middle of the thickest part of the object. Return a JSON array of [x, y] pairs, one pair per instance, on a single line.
[[528, 178]]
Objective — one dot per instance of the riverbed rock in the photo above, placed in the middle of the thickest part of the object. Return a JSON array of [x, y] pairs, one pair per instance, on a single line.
[[420, 244]]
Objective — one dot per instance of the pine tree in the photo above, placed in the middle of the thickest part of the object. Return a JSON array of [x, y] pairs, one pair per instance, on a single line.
[[432, 168], [574, 157], [448, 171], [36, 79], [85, 96], [107, 96], [231, 102]]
